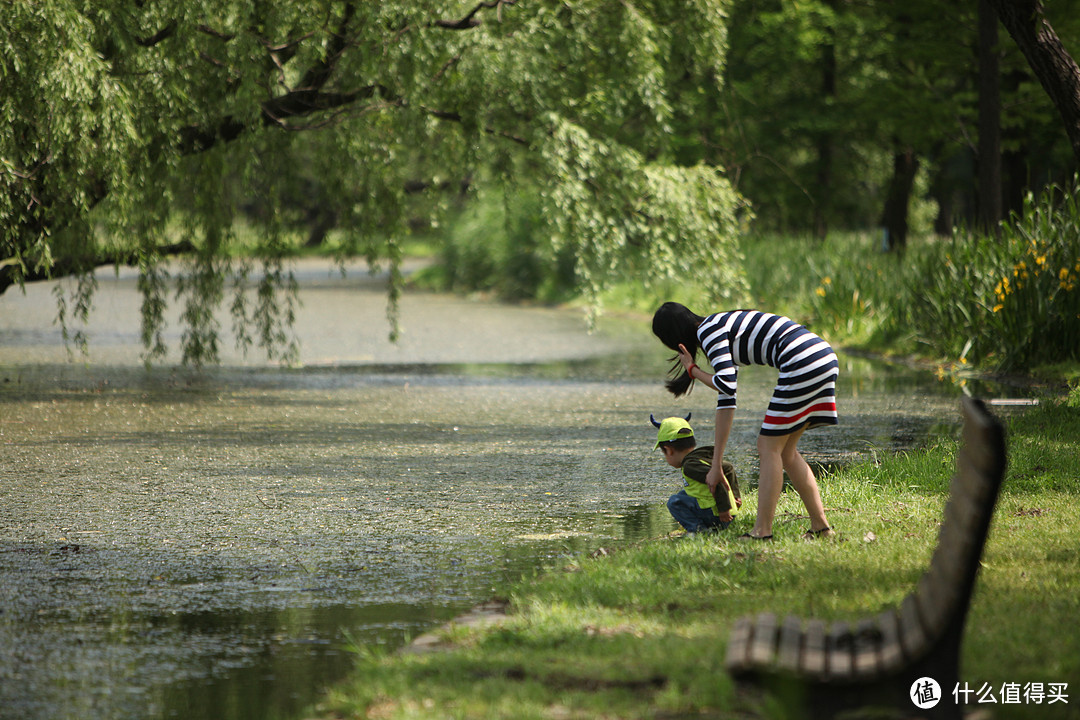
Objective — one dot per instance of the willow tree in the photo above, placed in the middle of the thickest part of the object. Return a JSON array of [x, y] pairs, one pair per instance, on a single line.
[[131, 131]]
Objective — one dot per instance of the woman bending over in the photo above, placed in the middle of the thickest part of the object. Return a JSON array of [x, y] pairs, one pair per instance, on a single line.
[[804, 397]]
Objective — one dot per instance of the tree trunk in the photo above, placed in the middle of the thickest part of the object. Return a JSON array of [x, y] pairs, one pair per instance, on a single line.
[[825, 140], [1049, 60], [894, 217], [990, 204]]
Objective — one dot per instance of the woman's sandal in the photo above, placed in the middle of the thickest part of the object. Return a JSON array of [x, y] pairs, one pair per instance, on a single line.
[[748, 536], [827, 532]]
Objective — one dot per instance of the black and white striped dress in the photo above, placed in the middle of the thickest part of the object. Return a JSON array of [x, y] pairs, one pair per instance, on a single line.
[[805, 394]]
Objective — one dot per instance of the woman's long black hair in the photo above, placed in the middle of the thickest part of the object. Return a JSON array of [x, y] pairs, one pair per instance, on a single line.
[[676, 324]]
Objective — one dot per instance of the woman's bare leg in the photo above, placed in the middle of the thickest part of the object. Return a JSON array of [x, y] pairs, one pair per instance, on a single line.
[[803, 480], [770, 482], [777, 453]]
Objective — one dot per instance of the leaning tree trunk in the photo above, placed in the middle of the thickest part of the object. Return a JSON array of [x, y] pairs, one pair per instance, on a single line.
[[1048, 58]]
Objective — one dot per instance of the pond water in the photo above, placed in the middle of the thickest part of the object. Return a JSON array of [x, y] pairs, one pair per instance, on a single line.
[[207, 545]]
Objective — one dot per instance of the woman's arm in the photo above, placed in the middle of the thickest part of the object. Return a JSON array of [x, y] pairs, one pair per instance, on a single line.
[[724, 419]]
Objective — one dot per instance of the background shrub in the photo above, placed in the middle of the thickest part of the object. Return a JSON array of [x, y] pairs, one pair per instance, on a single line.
[[1004, 303]]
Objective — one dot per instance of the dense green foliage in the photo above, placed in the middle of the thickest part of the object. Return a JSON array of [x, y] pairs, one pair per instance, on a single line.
[[621, 140], [641, 632], [820, 95], [116, 120], [1005, 303], [973, 302], [995, 303], [496, 247]]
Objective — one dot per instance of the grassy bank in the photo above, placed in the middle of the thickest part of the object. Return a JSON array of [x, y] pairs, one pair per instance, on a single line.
[[641, 631]]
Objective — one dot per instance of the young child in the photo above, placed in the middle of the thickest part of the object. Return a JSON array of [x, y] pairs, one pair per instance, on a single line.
[[695, 507]]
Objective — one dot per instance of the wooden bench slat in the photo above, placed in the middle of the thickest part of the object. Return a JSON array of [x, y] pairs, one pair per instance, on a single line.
[[763, 642], [789, 648], [841, 651], [814, 660], [867, 648], [738, 650]]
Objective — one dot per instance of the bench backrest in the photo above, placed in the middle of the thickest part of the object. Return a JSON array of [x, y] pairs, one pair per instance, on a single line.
[[944, 592]]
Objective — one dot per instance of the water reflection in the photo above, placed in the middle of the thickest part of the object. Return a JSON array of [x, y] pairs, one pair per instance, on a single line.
[[272, 664], [198, 546]]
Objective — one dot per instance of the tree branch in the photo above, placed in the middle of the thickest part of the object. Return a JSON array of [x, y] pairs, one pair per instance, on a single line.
[[318, 74], [206, 29], [163, 34], [65, 266], [298, 103], [469, 20]]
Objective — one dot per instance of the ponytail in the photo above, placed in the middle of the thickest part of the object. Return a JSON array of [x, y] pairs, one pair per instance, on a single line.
[[680, 383]]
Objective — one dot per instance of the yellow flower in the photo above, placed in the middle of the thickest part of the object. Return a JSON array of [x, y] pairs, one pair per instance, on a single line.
[[820, 292], [1040, 260], [1064, 274], [827, 281], [998, 307]]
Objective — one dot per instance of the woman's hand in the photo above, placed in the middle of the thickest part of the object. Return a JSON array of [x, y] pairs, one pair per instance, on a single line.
[[686, 358], [715, 477]]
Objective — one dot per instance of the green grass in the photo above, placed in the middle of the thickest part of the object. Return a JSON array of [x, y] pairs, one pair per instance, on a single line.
[[642, 631]]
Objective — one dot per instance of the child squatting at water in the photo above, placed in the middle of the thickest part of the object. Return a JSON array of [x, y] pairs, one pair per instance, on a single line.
[[804, 396], [696, 507]]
